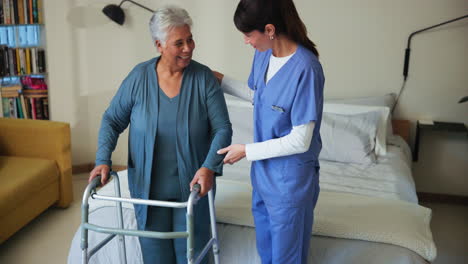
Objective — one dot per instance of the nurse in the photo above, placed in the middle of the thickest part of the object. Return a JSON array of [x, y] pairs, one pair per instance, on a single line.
[[287, 83]]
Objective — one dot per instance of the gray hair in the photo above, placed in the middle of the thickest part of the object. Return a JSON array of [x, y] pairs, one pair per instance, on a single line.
[[166, 18]]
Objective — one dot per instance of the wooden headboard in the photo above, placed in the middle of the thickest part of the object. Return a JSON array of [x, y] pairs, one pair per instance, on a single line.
[[402, 128]]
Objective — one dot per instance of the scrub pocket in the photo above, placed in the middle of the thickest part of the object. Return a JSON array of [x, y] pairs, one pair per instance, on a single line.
[[299, 180]]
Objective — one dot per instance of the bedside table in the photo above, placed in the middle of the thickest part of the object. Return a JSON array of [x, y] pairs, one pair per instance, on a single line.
[[436, 126]]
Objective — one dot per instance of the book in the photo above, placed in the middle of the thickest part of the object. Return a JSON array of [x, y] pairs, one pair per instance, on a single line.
[[25, 11], [38, 106], [41, 60], [15, 11], [11, 91], [2, 21], [1, 100], [30, 12], [12, 61], [28, 60], [24, 107], [19, 108], [34, 60], [6, 107], [33, 108], [39, 11], [45, 107], [21, 12], [2, 61], [6, 11], [12, 105]]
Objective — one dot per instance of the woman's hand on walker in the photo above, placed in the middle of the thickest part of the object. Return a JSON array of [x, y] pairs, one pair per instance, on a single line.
[[204, 177], [102, 170], [235, 152]]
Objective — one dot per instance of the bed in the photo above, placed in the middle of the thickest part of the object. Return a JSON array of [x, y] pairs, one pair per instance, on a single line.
[[367, 210]]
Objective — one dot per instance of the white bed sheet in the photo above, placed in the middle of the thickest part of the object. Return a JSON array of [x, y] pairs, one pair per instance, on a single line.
[[390, 177]]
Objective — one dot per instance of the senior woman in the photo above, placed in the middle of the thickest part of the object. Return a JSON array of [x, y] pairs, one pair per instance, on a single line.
[[178, 120]]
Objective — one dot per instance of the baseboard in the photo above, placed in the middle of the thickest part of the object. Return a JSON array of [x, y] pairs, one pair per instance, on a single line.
[[442, 198], [82, 168], [88, 167]]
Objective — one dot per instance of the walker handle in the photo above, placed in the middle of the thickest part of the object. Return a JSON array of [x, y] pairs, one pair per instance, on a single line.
[[196, 188]]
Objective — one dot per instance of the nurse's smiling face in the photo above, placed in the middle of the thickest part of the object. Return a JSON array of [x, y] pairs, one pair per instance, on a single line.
[[258, 40], [179, 46]]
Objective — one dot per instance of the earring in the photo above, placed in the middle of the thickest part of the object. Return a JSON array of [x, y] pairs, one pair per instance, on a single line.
[[271, 37]]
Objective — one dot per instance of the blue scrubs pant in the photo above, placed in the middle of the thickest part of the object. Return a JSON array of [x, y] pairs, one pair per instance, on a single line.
[[283, 233]]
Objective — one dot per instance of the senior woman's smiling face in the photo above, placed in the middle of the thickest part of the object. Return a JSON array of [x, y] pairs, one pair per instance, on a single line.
[[177, 51]]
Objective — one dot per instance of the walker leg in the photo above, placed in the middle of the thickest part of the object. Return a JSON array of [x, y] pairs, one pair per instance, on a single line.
[[84, 233], [121, 238], [214, 233]]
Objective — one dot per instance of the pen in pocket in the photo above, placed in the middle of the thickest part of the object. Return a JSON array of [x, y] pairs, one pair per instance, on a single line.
[[277, 108]]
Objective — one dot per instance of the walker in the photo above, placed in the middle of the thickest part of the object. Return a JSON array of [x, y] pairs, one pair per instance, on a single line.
[[121, 232]]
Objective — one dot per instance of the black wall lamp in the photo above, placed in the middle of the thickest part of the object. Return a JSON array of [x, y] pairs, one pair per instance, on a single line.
[[408, 52], [116, 13]]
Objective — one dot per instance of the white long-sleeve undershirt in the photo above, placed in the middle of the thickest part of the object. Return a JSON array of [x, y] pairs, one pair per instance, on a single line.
[[297, 141]]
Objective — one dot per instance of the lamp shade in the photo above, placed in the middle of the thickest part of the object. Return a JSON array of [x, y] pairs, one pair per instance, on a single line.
[[115, 13]]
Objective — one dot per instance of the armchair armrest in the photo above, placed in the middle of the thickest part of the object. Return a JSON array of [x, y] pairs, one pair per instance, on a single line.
[[40, 139]]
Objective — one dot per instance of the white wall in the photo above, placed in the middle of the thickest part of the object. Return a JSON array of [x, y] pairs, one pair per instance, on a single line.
[[361, 43]]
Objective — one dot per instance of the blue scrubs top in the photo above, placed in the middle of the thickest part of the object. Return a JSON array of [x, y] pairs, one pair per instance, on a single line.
[[292, 97]]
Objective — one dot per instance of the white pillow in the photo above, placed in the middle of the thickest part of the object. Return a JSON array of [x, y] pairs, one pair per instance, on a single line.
[[348, 109], [387, 100], [349, 138]]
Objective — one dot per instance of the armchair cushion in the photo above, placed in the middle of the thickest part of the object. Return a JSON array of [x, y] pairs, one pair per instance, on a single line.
[[20, 182]]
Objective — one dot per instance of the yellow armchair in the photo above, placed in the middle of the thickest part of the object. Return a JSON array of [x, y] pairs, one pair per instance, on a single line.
[[35, 170]]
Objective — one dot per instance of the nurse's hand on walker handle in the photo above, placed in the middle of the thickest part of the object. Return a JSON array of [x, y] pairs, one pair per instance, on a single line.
[[218, 76], [235, 152], [204, 177], [102, 170]]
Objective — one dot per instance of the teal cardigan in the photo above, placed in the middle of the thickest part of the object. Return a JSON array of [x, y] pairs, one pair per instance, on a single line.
[[203, 127]]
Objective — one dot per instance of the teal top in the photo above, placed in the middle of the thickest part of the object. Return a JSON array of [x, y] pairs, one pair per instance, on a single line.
[[165, 183], [202, 127]]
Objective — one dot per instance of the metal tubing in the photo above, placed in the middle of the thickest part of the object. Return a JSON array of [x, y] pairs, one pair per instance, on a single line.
[[193, 199], [140, 201], [132, 232], [204, 251], [123, 251], [121, 232], [214, 233], [100, 245], [190, 239], [84, 218]]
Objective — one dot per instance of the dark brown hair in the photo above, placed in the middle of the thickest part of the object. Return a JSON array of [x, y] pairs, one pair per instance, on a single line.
[[253, 15]]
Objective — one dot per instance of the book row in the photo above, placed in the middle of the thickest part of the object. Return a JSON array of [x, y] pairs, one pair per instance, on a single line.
[[26, 107], [17, 90], [21, 61], [20, 12]]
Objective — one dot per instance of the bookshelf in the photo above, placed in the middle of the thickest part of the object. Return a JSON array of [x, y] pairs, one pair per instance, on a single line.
[[23, 73]]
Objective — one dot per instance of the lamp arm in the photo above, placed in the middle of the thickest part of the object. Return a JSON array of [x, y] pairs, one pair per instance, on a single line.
[[140, 5], [408, 50]]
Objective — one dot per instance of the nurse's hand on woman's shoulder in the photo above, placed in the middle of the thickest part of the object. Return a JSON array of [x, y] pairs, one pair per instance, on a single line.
[[204, 177], [219, 76], [235, 152]]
